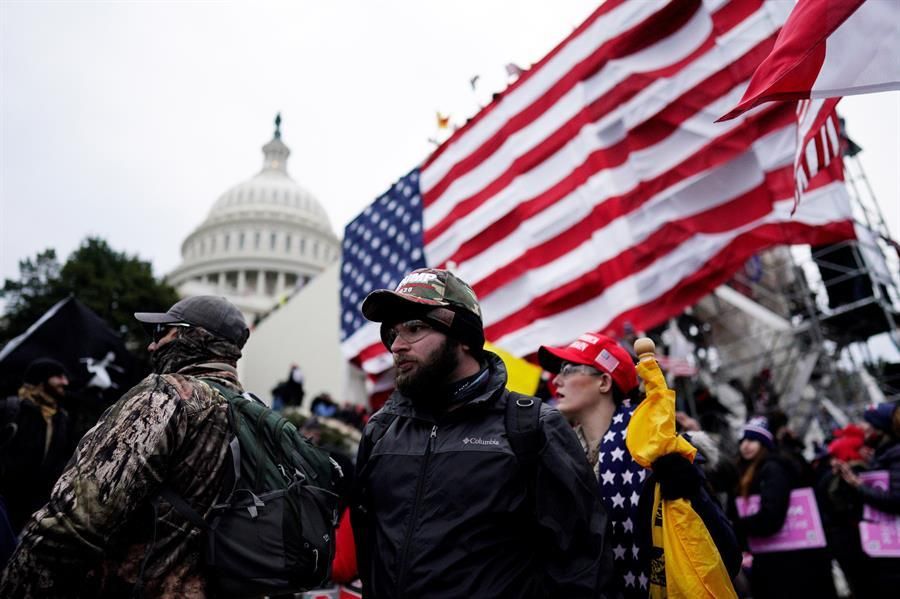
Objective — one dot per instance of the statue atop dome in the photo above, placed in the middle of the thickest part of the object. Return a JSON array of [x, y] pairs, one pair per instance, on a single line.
[[262, 239], [276, 152]]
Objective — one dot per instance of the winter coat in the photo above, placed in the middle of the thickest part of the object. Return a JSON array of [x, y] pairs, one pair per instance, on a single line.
[[775, 575], [446, 510], [840, 507], [98, 532], [884, 572], [28, 465], [619, 482], [886, 458]]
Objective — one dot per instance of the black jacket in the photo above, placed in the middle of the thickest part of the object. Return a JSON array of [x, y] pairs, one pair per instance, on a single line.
[[775, 575], [445, 510], [28, 471]]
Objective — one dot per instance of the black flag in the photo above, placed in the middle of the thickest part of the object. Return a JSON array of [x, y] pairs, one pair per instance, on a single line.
[[100, 368]]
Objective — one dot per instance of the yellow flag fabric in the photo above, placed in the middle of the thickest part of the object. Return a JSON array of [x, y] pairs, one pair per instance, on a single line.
[[524, 376], [692, 564], [653, 422]]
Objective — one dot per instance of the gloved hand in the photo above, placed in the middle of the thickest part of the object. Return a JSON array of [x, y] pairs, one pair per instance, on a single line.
[[678, 477]]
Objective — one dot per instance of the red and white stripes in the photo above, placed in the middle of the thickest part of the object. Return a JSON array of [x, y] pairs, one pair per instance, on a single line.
[[598, 190]]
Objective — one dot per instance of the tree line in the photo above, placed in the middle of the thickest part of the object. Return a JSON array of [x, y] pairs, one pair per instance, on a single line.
[[111, 283]]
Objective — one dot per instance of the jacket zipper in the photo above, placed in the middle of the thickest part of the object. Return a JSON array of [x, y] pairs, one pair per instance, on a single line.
[[415, 513]]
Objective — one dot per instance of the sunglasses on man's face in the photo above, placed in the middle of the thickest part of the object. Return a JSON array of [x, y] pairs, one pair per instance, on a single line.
[[162, 329]]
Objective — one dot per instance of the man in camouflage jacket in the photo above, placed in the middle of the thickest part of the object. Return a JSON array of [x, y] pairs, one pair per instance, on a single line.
[[100, 534]]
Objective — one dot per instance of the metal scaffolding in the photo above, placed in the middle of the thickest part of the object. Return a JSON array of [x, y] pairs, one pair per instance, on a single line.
[[806, 325]]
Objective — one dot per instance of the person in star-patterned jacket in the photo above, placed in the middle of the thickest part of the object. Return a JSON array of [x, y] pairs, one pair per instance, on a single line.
[[596, 381], [597, 386]]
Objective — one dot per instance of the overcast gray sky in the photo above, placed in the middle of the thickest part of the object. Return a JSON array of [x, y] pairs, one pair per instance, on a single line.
[[128, 119]]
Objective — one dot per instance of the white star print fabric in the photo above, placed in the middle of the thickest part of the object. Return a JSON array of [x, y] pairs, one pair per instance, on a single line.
[[620, 479]]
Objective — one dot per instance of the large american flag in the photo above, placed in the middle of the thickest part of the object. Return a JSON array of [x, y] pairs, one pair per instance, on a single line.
[[598, 190]]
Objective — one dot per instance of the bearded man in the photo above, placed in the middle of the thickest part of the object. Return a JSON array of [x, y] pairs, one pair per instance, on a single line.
[[35, 444], [446, 507], [105, 531]]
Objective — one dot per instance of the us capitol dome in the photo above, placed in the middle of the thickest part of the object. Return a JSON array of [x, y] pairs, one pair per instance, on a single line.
[[262, 240]]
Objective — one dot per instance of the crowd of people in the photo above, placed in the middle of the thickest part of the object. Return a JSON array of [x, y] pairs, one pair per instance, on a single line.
[[459, 487], [290, 393], [770, 465]]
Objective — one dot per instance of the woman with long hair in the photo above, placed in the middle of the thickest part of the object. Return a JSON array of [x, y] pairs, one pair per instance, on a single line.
[[771, 476]]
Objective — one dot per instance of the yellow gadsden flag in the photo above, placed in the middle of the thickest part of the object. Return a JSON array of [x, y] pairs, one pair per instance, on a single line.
[[691, 566], [524, 376]]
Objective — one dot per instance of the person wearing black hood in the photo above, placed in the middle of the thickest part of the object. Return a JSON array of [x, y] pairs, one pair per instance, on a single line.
[[35, 445], [446, 506], [771, 476], [884, 418]]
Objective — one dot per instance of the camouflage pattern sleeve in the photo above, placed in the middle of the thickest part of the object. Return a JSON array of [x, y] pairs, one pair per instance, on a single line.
[[116, 466]]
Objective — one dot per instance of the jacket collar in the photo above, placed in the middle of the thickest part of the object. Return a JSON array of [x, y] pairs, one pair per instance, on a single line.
[[221, 372], [402, 405]]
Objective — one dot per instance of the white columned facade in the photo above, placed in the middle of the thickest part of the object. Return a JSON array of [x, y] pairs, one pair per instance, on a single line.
[[261, 282], [243, 221]]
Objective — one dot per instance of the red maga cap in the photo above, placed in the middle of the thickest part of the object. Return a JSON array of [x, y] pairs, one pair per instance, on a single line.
[[598, 351]]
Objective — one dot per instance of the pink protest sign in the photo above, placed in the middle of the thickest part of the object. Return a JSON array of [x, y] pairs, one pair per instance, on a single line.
[[879, 532], [802, 527], [880, 479]]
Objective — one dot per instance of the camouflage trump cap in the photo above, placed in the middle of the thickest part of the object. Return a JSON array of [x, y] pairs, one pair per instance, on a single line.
[[434, 295]]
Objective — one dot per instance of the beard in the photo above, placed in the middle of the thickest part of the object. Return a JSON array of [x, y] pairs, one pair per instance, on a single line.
[[430, 375], [57, 392]]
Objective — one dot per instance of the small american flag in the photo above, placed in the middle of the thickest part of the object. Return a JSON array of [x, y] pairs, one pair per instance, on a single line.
[[597, 192], [607, 361], [818, 142]]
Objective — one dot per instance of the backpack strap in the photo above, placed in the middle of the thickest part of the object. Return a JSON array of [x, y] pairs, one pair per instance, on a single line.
[[234, 449], [379, 427], [384, 424], [182, 507], [234, 446], [230, 394], [523, 415]]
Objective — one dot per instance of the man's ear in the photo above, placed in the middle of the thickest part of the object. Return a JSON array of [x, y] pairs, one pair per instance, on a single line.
[[466, 351]]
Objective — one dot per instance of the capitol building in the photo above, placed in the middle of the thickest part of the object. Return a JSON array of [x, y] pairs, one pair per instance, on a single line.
[[263, 239]]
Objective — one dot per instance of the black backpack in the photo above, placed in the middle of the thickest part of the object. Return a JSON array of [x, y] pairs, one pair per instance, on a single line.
[[274, 531]]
